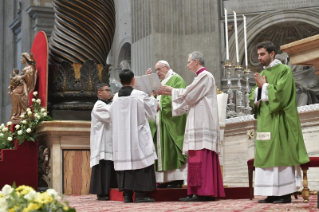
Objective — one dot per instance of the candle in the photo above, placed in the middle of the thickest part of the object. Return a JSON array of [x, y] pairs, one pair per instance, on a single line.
[[226, 35], [245, 39], [236, 37]]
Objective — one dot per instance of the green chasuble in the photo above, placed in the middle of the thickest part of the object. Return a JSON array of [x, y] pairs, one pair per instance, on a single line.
[[172, 131], [279, 140]]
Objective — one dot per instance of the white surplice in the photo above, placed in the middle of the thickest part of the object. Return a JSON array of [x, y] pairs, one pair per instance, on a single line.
[[170, 175], [275, 181], [133, 146], [199, 100], [101, 134]]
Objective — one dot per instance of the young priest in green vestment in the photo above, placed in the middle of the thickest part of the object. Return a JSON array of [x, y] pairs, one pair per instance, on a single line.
[[168, 132], [280, 147]]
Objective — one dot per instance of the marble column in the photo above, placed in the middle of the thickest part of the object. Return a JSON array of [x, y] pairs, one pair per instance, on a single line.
[[8, 10]]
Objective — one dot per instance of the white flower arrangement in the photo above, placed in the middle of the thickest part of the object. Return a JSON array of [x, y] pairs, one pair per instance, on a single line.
[[33, 117], [24, 198]]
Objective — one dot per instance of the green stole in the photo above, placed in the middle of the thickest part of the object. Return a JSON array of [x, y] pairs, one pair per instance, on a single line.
[[172, 131], [280, 118]]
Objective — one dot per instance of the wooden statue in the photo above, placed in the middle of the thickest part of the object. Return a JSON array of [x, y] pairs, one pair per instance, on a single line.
[[21, 86]]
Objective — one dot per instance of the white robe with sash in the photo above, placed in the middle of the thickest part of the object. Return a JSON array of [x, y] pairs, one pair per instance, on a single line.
[[133, 146], [199, 100], [101, 134]]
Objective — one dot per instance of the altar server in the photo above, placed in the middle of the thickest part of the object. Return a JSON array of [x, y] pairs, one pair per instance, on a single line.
[[133, 148], [103, 175], [168, 132], [280, 147], [201, 139]]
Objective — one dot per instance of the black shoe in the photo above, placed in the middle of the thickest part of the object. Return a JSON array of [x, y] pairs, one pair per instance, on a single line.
[[174, 186], [128, 199], [269, 199], [194, 198], [283, 199], [185, 198], [162, 185], [209, 198], [102, 197], [144, 199]]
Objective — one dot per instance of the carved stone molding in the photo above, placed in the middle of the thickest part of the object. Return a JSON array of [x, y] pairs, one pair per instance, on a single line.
[[43, 18]]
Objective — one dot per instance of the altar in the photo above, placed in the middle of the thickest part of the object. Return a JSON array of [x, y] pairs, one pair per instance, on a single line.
[[239, 146]]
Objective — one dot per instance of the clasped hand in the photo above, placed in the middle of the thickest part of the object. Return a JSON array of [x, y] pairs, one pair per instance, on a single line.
[[260, 80]]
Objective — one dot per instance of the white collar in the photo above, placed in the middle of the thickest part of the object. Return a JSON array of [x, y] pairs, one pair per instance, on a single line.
[[169, 73], [273, 63]]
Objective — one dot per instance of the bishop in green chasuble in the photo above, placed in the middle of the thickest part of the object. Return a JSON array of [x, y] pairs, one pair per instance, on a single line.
[[168, 132]]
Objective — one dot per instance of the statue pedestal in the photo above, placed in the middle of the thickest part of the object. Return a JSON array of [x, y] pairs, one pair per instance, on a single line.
[[304, 52], [69, 144]]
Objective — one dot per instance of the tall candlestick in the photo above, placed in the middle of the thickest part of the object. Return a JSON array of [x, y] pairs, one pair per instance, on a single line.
[[226, 35], [236, 37], [245, 38]]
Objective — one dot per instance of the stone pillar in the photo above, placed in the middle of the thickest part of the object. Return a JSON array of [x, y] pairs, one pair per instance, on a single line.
[[7, 54], [43, 18], [170, 29], [27, 34]]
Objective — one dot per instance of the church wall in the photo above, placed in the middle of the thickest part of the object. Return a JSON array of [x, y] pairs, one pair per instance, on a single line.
[[142, 42], [122, 36], [172, 29]]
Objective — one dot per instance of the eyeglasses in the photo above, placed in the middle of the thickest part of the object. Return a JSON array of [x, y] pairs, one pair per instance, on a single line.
[[159, 68], [108, 90]]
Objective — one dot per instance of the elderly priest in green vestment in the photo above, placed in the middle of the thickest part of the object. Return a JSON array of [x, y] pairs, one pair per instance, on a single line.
[[280, 147], [168, 132]]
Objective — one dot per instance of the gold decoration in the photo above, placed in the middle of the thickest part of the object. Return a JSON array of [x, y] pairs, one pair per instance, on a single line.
[[250, 134], [218, 91], [77, 72]]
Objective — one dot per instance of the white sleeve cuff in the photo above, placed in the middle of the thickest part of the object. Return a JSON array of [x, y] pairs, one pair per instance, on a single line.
[[257, 102], [264, 93]]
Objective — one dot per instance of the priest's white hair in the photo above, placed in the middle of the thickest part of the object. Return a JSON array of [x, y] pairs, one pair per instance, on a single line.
[[164, 62]]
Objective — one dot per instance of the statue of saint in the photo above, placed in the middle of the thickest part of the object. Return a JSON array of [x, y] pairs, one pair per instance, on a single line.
[[21, 86]]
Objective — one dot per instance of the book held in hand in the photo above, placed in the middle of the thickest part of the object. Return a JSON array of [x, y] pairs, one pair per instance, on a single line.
[[147, 83]]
